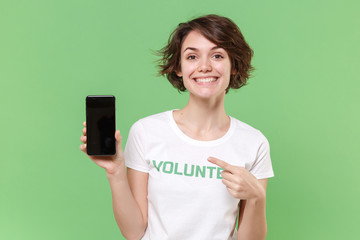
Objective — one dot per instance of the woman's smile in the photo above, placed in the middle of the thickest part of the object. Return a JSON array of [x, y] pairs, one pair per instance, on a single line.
[[205, 79], [206, 82]]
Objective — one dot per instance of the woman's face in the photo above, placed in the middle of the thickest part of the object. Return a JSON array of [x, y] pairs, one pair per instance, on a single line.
[[205, 67]]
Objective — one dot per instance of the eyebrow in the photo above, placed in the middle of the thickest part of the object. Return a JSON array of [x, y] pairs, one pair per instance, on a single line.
[[196, 50]]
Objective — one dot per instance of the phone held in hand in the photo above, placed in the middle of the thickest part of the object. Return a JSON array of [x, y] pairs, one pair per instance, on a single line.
[[100, 125]]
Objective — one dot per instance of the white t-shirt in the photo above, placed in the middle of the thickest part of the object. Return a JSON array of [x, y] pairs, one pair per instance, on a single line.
[[186, 197]]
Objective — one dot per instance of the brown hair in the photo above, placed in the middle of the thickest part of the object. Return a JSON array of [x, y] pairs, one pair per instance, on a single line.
[[221, 31]]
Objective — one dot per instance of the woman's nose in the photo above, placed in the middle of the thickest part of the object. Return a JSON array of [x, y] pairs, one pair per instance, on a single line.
[[204, 66]]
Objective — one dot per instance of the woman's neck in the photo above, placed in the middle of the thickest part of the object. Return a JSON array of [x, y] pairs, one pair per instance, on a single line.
[[203, 118]]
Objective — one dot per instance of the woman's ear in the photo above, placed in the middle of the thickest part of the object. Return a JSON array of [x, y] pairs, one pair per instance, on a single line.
[[179, 74], [233, 72]]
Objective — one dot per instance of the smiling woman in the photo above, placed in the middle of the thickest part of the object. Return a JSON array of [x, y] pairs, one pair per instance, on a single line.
[[189, 173]]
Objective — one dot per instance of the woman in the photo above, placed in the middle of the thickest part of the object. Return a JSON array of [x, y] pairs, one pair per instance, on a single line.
[[189, 173]]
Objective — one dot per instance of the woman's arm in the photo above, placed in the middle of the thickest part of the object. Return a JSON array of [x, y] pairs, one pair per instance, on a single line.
[[252, 217], [241, 184], [129, 198], [129, 191]]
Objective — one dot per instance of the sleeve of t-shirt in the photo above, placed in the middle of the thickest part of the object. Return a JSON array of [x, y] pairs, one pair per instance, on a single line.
[[262, 167], [134, 152]]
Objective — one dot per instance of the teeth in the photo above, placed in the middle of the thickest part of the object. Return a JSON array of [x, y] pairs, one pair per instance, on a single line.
[[211, 79]]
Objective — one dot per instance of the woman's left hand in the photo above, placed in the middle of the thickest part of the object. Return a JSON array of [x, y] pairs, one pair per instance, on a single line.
[[240, 183]]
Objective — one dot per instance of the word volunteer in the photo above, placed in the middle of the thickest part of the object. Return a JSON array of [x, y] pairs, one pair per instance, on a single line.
[[188, 170]]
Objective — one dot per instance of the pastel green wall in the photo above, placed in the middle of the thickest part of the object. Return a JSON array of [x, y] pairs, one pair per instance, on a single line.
[[304, 97]]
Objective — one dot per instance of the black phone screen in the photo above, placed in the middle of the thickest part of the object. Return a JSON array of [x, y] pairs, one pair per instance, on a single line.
[[100, 125]]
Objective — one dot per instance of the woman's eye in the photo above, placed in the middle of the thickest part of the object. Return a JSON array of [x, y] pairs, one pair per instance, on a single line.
[[218, 56], [191, 57]]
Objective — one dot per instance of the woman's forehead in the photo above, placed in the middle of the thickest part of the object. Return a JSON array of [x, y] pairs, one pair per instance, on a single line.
[[196, 41]]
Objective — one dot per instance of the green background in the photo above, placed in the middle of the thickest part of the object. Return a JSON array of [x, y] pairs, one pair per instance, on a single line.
[[304, 97]]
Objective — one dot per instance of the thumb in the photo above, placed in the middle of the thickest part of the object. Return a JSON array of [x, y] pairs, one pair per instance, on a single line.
[[118, 138]]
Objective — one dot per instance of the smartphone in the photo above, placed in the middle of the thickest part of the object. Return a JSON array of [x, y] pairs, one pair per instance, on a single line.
[[100, 125]]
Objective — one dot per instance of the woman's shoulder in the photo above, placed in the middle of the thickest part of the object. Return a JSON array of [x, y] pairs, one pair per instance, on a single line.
[[154, 120], [247, 129]]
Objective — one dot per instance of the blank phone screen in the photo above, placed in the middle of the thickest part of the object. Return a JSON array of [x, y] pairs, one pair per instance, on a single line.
[[100, 125]]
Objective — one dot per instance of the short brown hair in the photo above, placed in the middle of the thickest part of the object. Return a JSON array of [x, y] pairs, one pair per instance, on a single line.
[[221, 31]]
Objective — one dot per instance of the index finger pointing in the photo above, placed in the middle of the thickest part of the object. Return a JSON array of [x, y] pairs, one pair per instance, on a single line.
[[221, 163]]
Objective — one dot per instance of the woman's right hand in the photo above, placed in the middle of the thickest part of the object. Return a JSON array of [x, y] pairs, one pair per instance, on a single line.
[[111, 164]]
